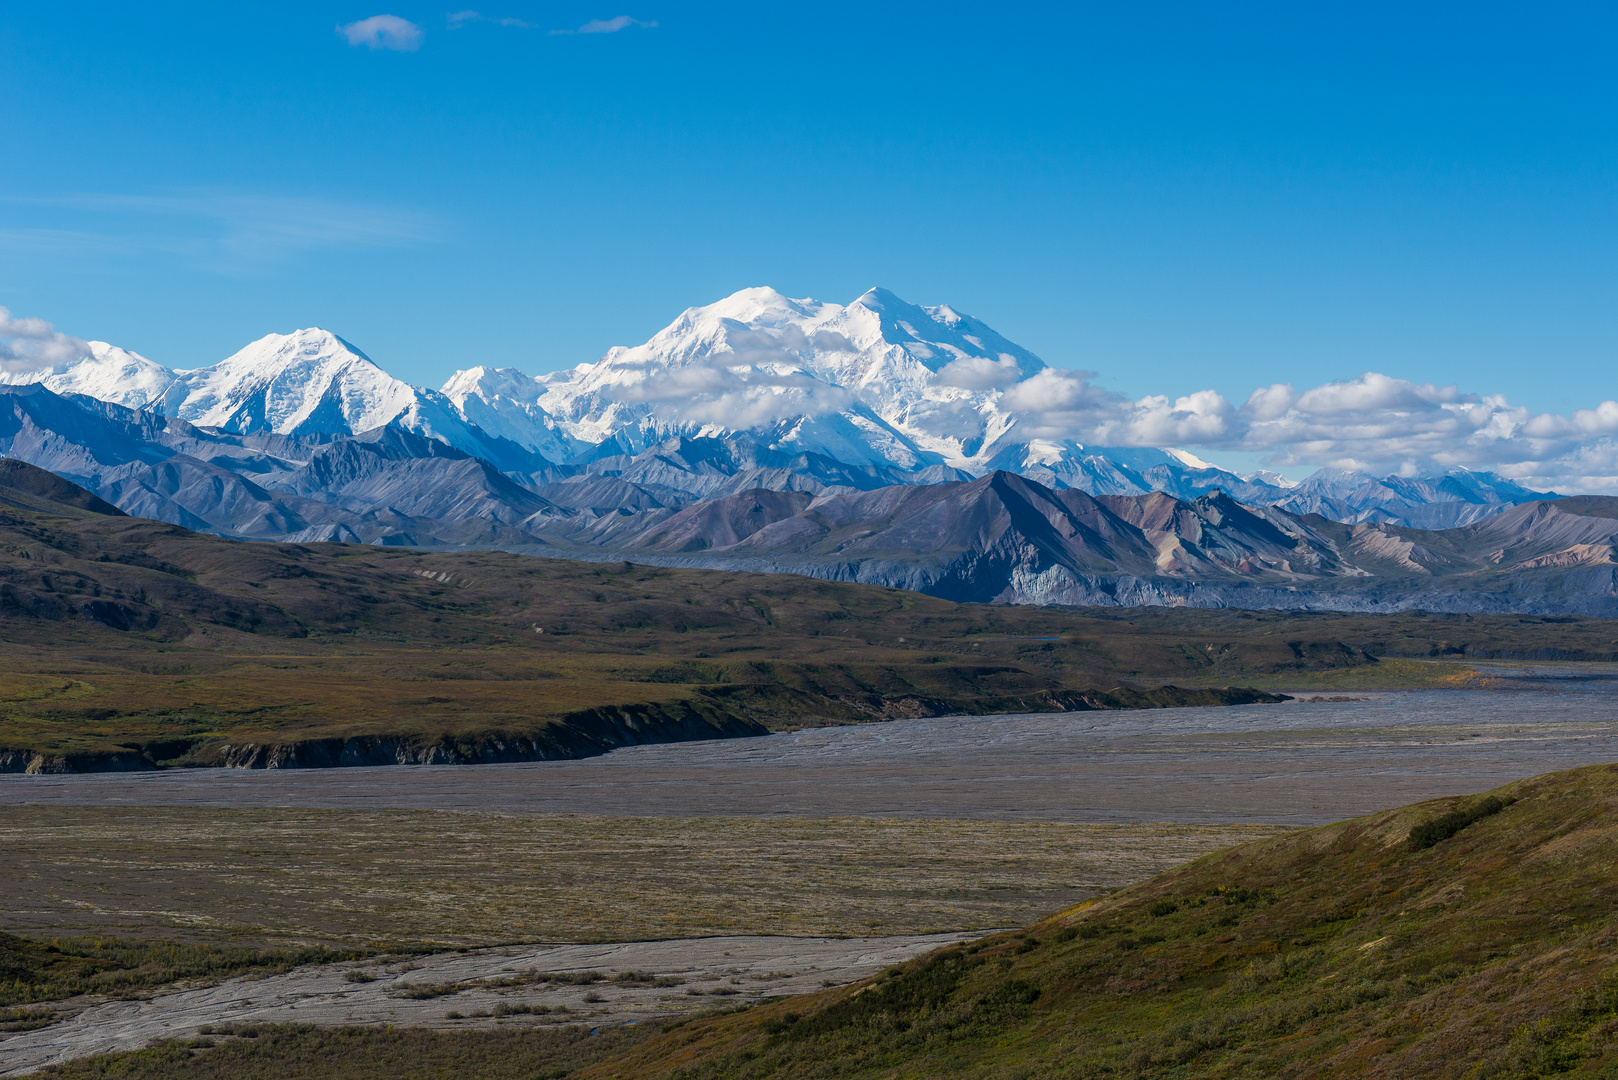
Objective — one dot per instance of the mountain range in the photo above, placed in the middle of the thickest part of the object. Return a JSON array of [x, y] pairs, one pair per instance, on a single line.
[[800, 394], [873, 441]]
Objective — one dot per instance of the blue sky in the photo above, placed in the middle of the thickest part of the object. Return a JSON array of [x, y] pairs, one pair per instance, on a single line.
[[1175, 196]]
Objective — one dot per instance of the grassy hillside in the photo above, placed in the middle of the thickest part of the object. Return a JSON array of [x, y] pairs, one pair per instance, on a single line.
[[1483, 947], [132, 642], [131, 635]]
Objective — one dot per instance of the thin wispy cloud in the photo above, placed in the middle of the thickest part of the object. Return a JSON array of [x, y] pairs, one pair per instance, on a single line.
[[228, 231], [608, 26], [457, 19], [388, 32]]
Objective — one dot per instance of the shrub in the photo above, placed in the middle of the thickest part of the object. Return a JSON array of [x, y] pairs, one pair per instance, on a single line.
[[1164, 907], [571, 978], [1428, 833], [426, 991]]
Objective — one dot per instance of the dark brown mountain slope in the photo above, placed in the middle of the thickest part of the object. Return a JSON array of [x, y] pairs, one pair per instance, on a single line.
[[25, 487], [1005, 538]]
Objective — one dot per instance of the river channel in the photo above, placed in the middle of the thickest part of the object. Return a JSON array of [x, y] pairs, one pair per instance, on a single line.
[[1302, 762]]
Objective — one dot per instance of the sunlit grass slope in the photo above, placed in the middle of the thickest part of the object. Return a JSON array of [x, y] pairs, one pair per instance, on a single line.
[[1346, 950]]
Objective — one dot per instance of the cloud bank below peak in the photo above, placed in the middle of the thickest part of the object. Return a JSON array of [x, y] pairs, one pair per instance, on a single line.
[[1373, 423]]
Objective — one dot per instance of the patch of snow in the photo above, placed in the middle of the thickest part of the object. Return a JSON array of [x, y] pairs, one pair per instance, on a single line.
[[1185, 457]]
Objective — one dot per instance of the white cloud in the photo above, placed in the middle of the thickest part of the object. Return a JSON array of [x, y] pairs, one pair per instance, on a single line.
[[1601, 420], [979, 372], [734, 391], [750, 378], [1379, 423], [33, 345], [1375, 423], [1056, 404], [457, 19], [1199, 419], [383, 32], [831, 341], [1374, 392], [1270, 402], [608, 26]]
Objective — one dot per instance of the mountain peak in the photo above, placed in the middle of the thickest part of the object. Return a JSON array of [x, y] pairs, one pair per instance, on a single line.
[[759, 306], [309, 341], [304, 382], [482, 381]]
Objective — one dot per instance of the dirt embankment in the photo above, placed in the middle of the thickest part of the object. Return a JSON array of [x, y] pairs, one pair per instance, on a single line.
[[729, 713]]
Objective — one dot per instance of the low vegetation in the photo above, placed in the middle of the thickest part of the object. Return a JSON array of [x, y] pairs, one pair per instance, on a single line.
[[34, 971], [1430, 832], [275, 1052], [425, 878], [1346, 950]]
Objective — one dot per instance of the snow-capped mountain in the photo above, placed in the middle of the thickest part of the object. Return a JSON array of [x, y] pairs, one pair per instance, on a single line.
[[886, 384], [505, 403], [312, 382], [757, 389], [878, 381], [303, 383], [309, 382], [108, 373], [1459, 497]]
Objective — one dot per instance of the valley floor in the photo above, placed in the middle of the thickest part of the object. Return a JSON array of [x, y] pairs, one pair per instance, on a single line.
[[484, 989], [846, 848]]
